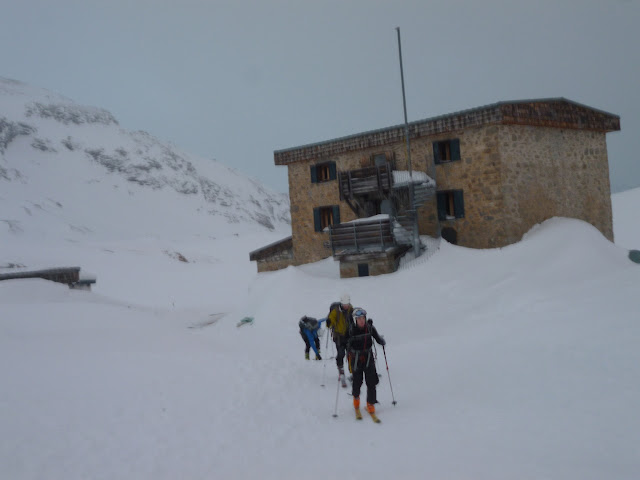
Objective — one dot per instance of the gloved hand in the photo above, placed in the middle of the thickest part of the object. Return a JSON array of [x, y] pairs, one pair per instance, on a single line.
[[383, 342]]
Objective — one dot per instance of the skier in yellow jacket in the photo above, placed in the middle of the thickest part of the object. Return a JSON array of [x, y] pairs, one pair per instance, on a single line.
[[339, 320]]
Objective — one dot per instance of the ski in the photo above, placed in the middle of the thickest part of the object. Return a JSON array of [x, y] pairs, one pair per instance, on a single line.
[[374, 417], [358, 414]]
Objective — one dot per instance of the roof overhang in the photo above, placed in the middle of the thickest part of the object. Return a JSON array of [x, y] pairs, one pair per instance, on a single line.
[[550, 112]]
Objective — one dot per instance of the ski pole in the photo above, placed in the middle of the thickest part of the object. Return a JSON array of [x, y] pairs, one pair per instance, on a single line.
[[326, 346], [326, 352], [335, 411], [324, 369], [388, 375], [375, 358]]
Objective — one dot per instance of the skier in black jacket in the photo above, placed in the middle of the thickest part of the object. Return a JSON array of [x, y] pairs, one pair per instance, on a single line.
[[361, 360]]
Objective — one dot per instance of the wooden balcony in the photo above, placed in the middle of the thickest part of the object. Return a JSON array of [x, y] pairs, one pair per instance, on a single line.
[[375, 235], [377, 181]]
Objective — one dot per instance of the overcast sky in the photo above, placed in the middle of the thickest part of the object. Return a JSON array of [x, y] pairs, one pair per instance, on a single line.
[[235, 80]]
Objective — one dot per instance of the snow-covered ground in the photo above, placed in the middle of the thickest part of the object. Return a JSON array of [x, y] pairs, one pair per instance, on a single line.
[[514, 363]]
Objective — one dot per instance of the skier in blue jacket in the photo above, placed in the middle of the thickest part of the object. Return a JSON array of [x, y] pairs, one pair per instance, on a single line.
[[309, 327]]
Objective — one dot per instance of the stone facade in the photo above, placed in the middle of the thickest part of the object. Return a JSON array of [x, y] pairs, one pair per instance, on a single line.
[[515, 176], [478, 175], [275, 256], [377, 264], [549, 172], [304, 196], [275, 262], [520, 164]]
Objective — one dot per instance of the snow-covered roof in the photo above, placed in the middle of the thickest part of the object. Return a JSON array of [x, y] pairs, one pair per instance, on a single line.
[[402, 178]]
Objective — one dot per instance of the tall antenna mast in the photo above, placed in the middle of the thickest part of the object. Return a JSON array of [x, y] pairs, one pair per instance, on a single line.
[[412, 209]]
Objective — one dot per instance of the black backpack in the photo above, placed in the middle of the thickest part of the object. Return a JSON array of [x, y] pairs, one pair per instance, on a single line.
[[308, 323], [334, 306]]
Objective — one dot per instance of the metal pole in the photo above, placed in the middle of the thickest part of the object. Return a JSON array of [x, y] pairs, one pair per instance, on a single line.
[[326, 354], [388, 375], [335, 411], [412, 209]]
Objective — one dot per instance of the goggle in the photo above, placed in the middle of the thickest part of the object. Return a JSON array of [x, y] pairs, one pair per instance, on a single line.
[[359, 312]]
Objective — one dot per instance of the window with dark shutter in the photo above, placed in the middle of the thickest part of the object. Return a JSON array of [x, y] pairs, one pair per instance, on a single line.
[[323, 172], [446, 151], [458, 204], [332, 171], [336, 215], [450, 204], [325, 216], [455, 149]]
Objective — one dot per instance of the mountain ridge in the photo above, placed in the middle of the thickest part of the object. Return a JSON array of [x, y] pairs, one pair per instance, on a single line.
[[54, 153]]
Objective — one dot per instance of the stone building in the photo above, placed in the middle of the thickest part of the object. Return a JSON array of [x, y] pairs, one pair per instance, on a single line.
[[481, 178]]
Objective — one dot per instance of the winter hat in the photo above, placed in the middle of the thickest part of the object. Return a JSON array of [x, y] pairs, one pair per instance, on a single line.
[[345, 299]]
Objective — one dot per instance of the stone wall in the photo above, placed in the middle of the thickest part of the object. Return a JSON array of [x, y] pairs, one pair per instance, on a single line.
[[304, 196], [275, 256], [478, 175], [378, 264], [518, 167], [514, 177], [551, 172], [276, 262]]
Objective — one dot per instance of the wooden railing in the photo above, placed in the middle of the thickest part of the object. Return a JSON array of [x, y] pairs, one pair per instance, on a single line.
[[362, 235], [365, 180]]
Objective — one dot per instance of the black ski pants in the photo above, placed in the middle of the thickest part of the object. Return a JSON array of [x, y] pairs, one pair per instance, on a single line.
[[341, 350], [365, 367]]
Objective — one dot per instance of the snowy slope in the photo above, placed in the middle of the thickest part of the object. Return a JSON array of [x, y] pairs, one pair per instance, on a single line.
[[520, 362], [626, 226], [68, 170]]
